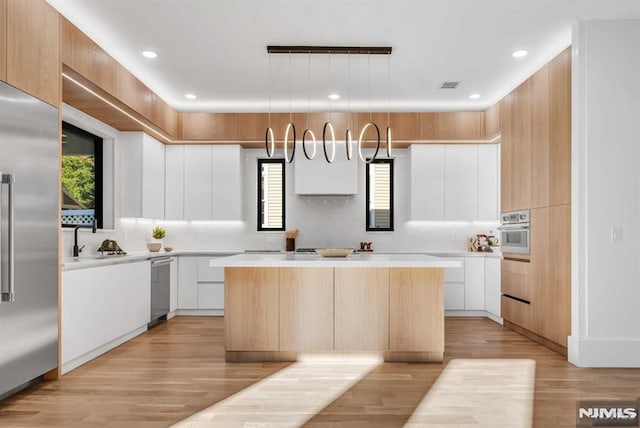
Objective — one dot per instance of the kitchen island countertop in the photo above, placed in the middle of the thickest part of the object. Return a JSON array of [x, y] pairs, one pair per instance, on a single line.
[[354, 260]]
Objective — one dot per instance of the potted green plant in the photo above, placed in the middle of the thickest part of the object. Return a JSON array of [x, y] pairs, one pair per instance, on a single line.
[[157, 235]]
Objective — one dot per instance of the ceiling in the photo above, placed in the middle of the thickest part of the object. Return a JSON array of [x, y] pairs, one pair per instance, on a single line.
[[216, 49]]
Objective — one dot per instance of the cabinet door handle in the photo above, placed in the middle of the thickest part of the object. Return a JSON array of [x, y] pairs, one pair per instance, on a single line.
[[515, 259]]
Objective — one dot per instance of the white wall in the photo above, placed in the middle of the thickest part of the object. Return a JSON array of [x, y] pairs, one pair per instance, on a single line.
[[606, 194]]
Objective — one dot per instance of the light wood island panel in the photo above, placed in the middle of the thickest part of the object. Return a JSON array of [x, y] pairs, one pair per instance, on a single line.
[[251, 309], [362, 309], [296, 313], [306, 309]]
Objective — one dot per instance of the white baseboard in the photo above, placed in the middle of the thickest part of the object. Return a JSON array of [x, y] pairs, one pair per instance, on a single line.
[[598, 352], [171, 315], [495, 318], [200, 312], [85, 358]]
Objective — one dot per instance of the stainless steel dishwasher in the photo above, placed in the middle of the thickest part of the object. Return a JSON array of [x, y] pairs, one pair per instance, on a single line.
[[160, 284]]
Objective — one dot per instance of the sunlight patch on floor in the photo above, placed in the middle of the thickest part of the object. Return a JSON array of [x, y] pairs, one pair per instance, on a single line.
[[479, 392], [288, 398]]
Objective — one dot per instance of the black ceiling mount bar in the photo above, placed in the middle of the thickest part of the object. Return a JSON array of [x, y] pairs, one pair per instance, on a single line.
[[361, 50]]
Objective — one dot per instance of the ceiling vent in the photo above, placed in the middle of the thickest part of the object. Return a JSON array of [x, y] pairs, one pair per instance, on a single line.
[[449, 85]]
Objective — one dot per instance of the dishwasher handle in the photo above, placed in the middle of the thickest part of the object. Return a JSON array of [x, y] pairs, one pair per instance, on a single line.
[[161, 261]]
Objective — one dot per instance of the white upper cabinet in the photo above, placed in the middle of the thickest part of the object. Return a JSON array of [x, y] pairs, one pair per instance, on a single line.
[[142, 163], [226, 186], [174, 183], [318, 177], [454, 182], [461, 182], [204, 182], [488, 179], [197, 182], [427, 182]]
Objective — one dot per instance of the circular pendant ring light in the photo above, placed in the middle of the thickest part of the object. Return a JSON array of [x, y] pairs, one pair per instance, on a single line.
[[290, 127], [360, 140], [388, 141], [304, 144], [269, 141], [329, 126], [348, 144]]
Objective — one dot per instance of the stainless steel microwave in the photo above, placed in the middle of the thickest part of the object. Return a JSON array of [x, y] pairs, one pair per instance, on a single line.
[[515, 232]]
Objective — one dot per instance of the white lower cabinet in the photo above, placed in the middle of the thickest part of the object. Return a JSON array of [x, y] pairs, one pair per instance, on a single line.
[[474, 283], [492, 285], [173, 286], [473, 287], [103, 307], [200, 287]]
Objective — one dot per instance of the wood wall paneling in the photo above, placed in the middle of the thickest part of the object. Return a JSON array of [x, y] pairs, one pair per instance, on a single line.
[[539, 150], [133, 93], [492, 121], [560, 129], [251, 309], [361, 305], [164, 116], [404, 126], [306, 309], [539, 279], [3, 40], [210, 126], [33, 49], [84, 56], [506, 154], [316, 121], [416, 310], [558, 293], [452, 126], [521, 133]]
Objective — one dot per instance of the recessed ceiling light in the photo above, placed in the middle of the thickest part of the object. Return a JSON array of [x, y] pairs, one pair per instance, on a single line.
[[149, 54], [190, 96], [519, 54], [474, 96], [334, 96]]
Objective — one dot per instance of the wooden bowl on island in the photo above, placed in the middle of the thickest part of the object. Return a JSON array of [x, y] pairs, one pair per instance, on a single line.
[[334, 252]]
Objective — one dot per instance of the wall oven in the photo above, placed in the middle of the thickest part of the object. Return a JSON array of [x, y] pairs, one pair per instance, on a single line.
[[515, 232]]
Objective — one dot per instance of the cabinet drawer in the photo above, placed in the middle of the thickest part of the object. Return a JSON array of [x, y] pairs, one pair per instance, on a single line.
[[454, 296], [516, 285], [455, 274], [207, 273], [515, 311], [519, 267], [210, 295]]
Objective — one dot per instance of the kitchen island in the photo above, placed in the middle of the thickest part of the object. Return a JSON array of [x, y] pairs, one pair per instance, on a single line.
[[290, 307]]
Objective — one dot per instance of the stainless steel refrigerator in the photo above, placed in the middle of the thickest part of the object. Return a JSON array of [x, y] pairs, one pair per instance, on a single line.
[[29, 218]]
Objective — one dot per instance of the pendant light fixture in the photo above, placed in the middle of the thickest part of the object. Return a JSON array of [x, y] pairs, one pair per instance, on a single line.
[[348, 141], [329, 126], [291, 127], [328, 130], [309, 131], [370, 123], [269, 140]]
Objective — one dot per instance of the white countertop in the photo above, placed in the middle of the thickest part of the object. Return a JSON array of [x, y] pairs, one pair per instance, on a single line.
[[73, 263], [353, 260]]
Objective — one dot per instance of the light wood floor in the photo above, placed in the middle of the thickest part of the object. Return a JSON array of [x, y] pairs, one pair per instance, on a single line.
[[177, 370]]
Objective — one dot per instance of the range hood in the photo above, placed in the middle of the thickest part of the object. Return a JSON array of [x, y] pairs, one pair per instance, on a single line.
[[317, 177]]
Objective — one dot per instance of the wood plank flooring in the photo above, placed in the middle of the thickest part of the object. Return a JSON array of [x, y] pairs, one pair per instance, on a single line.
[[177, 369]]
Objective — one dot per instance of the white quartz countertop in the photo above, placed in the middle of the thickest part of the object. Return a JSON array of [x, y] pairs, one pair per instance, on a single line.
[[353, 260], [72, 263]]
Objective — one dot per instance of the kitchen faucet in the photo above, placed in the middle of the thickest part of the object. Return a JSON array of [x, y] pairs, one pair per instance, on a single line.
[[76, 250]]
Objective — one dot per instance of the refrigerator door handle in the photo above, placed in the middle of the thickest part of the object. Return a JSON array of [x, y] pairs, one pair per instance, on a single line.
[[10, 180]]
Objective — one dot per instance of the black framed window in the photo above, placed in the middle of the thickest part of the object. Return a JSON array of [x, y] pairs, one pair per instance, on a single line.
[[81, 176], [379, 200], [271, 196]]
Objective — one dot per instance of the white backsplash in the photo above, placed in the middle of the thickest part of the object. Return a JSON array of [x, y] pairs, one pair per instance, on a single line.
[[323, 222]]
